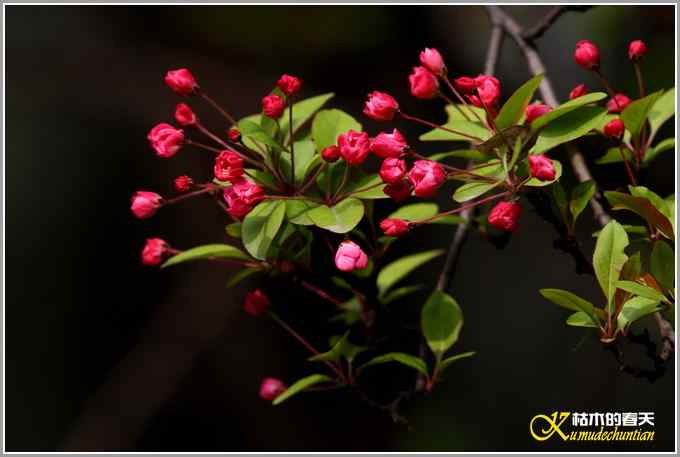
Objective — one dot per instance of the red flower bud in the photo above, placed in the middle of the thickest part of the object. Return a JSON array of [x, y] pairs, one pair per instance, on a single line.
[[184, 116], [614, 128], [331, 153], [432, 60], [181, 81], [165, 140], [153, 251], [541, 167], [398, 191], [465, 84], [587, 55], [578, 91], [242, 196], [380, 106], [354, 146], [394, 227], [618, 103], [271, 388], [256, 303], [349, 256], [505, 216], [488, 89], [234, 134], [228, 166], [388, 144], [423, 83], [289, 85], [392, 170], [273, 106], [535, 110], [637, 49], [426, 177], [183, 183], [145, 204]]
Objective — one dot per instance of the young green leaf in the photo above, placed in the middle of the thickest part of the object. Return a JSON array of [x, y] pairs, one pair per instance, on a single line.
[[337, 350], [640, 290], [565, 108], [573, 302], [632, 268], [454, 358], [399, 269], [296, 211], [255, 132], [665, 145], [581, 319], [302, 112], [635, 309], [474, 129], [399, 293], [400, 357], [580, 196], [330, 123], [643, 208], [241, 275], [472, 190], [370, 187], [305, 157], [222, 251], [609, 258], [613, 155], [504, 138], [340, 218], [569, 127], [658, 202], [472, 154], [635, 114], [662, 264], [261, 225], [663, 109], [415, 211], [560, 199], [441, 320], [300, 386], [233, 230], [513, 109]]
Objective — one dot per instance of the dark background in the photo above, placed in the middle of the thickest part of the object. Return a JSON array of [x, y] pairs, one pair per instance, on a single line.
[[103, 354]]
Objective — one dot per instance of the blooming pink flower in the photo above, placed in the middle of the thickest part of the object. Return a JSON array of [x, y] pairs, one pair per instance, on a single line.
[[153, 251], [349, 256], [505, 216], [614, 128], [399, 191], [637, 49], [256, 303], [535, 110], [465, 84], [183, 183], [354, 146], [184, 116], [423, 83], [273, 106], [380, 106], [618, 103], [587, 55], [392, 170], [289, 85], [330, 153], [426, 177], [432, 60], [578, 91], [165, 139], [394, 227], [271, 388], [234, 134], [541, 167], [181, 81], [242, 196], [388, 144], [145, 204], [228, 166], [488, 89]]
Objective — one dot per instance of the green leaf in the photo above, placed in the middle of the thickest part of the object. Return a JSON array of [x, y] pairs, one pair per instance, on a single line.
[[630, 229], [565, 108], [580, 196], [635, 309], [441, 320], [632, 268], [399, 293], [504, 138], [303, 111], [296, 211], [613, 155], [662, 264], [658, 202], [222, 251], [305, 157], [241, 275], [560, 198], [513, 109], [454, 112], [635, 114], [340, 218], [571, 301], [454, 358], [415, 211], [261, 225], [255, 132], [535, 182], [233, 230], [472, 190], [665, 145], [471, 154], [333, 172], [370, 187], [643, 208], [569, 127], [609, 258], [640, 290], [330, 123], [474, 129], [300, 386], [334, 354], [400, 357], [581, 319], [663, 109], [340, 282], [399, 269], [451, 219]]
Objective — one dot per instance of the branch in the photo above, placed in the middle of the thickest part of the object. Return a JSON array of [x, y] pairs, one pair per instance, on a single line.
[[548, 20]]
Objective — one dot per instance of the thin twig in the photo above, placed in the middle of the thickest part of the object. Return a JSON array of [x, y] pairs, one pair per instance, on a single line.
[[542, 26]]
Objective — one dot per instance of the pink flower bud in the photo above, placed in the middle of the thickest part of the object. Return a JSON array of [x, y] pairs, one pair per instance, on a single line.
[[423, 83], [535, 110], [587, 55], [426, 177], [614, 128], [505, 216], [153, 251], [349, 256], [289, 85], [432, 60], [183, 183], [578, 91], [388, 144], [465, 84], [331, 153], [271, 388], [256, 303], [541, 167], [184, 116], [234, 134], [637, 49], [398, 191], [242, 196], [165, 140], [181, 81], [273, 106], [392, 170], [488, 90], [618, 103], [145, 204], [394, 227], [354, 146], [228, 166], [380, 106]]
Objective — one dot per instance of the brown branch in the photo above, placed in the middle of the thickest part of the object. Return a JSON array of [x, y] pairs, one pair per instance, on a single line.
[[548, 20]]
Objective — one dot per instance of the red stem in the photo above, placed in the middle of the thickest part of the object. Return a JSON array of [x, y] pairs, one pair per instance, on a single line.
[[441, 127], [460, 208]]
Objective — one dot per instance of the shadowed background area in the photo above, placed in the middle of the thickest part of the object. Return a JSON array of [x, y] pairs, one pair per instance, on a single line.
[[104, 354]]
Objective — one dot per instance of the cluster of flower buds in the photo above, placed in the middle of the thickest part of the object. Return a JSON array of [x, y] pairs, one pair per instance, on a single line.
[[274, 105], [242, 196], [484, 91]]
